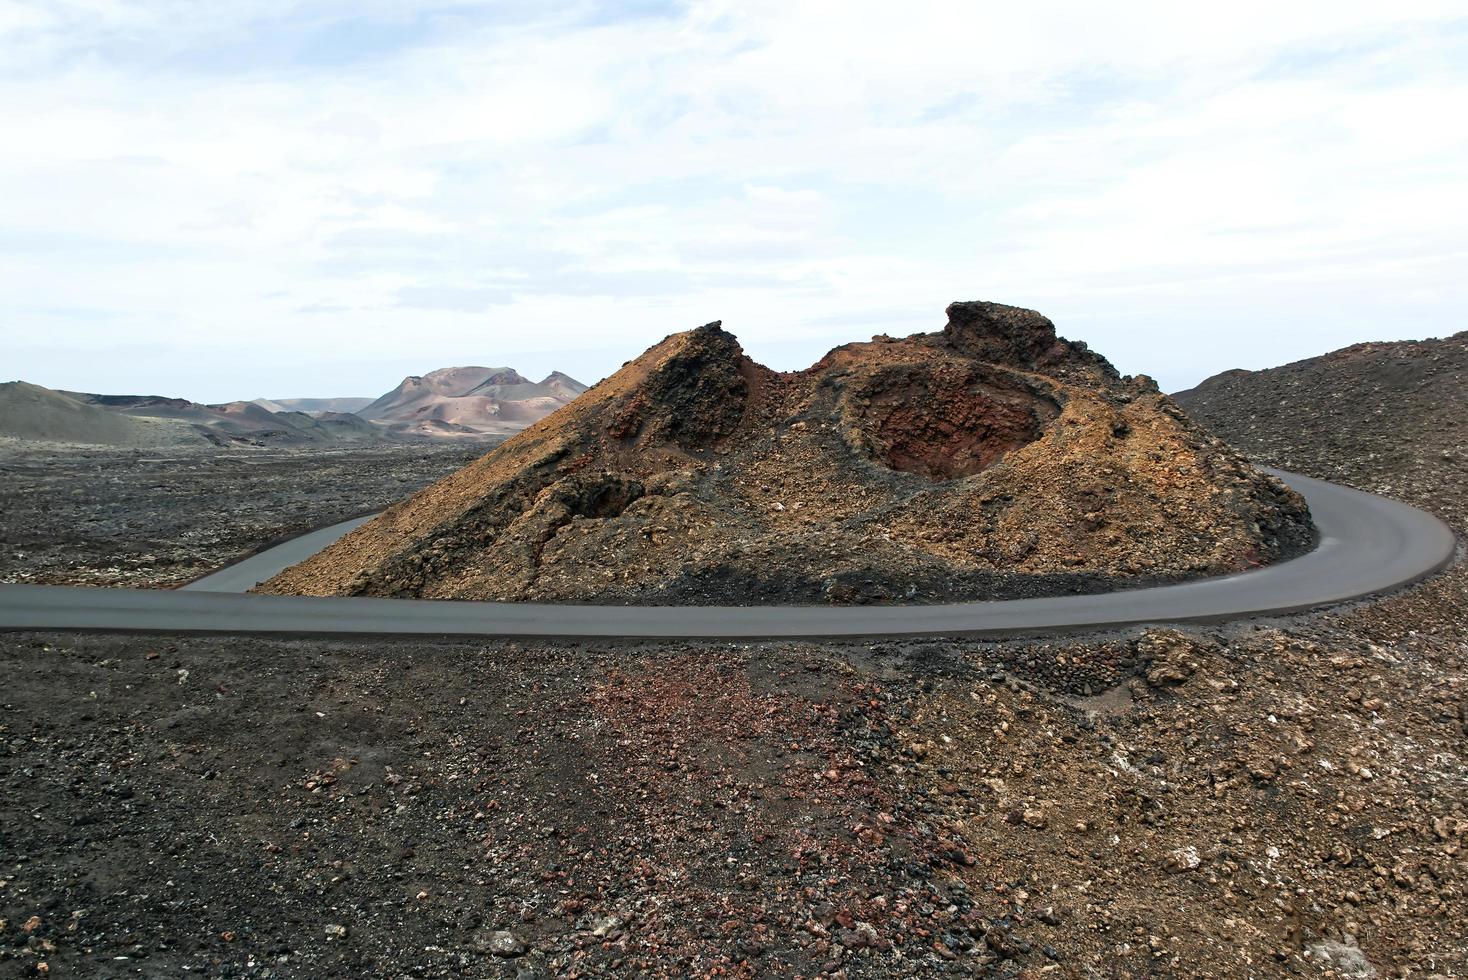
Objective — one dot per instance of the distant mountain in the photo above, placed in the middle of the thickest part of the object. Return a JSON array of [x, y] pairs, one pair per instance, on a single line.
[[511, 386], [232, 422], [416, 393], [32, 412], [469, 401], [450, 403], [313, 405], [250, 420]]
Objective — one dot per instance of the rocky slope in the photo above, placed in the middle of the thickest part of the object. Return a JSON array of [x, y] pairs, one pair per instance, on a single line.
[[989, 459], [1397, 408]]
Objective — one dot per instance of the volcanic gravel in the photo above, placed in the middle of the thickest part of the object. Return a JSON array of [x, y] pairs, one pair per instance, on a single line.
[[1386, 417], [160, 518], [1262, 799]]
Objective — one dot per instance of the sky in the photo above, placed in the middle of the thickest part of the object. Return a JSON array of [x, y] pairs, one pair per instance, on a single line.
[[275, 198]]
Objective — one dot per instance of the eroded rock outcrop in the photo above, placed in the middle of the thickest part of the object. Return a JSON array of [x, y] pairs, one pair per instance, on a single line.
[[992, 458]]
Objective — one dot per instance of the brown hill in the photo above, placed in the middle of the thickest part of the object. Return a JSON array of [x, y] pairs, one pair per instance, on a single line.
[[989, 459]]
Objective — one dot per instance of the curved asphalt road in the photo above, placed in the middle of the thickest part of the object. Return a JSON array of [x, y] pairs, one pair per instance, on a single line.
[[1368, 545], [249, 572]]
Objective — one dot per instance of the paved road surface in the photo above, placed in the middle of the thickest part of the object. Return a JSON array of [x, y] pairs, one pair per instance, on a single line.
[[1368, 544], [244, 575]]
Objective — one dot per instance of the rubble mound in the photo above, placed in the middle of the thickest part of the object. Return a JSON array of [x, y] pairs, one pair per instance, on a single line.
[[991, 459]]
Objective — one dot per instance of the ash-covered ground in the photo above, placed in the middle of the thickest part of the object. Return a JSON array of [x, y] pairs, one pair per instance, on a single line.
[[161, 517]]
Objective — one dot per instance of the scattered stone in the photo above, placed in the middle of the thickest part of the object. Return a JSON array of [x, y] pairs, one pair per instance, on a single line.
[[502, 942], [1345, 959], [1182, 859], [606, 925]]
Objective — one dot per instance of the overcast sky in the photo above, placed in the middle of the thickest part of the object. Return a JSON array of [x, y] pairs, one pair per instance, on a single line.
[[264, 197]]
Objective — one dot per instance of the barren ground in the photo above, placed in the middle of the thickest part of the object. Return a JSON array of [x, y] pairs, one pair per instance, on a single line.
[[1274, 798], [162, 517]]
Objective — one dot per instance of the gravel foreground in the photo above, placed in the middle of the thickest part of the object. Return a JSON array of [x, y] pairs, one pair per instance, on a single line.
[[1282, 798]]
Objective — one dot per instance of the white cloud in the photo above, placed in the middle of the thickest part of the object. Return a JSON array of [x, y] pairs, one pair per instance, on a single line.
[[290, 182]]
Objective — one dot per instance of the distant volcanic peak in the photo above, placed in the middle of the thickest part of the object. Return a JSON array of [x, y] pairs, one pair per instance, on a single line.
[[130, 401], [506, 383], [247, 409], [510, 385], [505, 376], [455, 380], [487, 400]]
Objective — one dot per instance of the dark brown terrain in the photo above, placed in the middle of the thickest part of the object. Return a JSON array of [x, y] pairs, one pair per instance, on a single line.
[[991, 459], [72, 515], [1387, 417], [1275, 798]]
